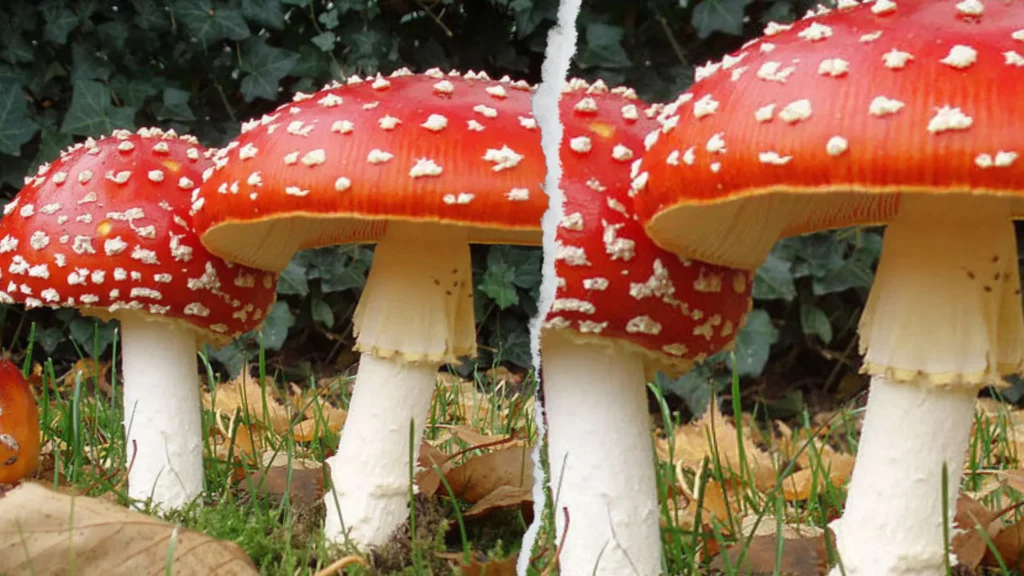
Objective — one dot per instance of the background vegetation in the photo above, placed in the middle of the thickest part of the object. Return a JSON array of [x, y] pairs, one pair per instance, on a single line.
[[71, 69]]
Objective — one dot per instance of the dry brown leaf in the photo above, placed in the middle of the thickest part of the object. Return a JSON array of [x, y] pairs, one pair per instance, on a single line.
[[427, 480], [90, 371], [723, 501], [307, 430], [969, 545], [480, 565], [271, 478], [714, 434], [473, 437], [482, 475], [800, 557], [1010, 544], [501, 497], [798, 486], [244, 395], [37, 537]]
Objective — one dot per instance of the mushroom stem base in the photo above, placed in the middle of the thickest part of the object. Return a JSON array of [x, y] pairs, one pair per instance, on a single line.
[[601, 458], [162, 412], [370, 471], [892, 523]]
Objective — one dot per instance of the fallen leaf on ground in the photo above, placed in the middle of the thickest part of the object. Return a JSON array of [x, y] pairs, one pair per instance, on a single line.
[[306, 483], [501, 497], [798, 486], [427, 479], [969, 545], [37, 537], [244, 395], [90, 371], [800, 557], [480, 565], [1010, 545], [311, 428], [482, 475], [715, 436]]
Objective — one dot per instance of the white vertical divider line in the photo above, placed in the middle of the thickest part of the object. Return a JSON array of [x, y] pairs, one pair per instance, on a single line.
[[557, 55]]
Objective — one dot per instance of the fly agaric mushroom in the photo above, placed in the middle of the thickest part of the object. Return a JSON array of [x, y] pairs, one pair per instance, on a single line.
[[104, 229], [19, 425], [903, 113], [623, 310], [423, 165]]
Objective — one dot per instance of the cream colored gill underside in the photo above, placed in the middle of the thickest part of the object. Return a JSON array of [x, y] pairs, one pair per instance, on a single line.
[[270, 244], [945, 307], [740, 232], [418, 300]]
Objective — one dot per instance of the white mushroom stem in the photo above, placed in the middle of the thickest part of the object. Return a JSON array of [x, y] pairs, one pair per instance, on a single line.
[[601, 458], [943, 320], [162, 412], [370, 472], [415, 313]]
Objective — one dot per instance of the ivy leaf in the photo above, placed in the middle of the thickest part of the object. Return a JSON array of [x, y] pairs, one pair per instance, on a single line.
[[275, 327], [292, 280], [88, 116], [815, 322], [16, 128], [718, 16], [209, 25], [175, 106], [60, 21], [754, 343], [604, 47], [87, 65], [497, 285], [264, 67], [774, 280], [50, 145], [322, 313], [325, 42], [133, 92], [91, 334], [150, 16], [266, 13]]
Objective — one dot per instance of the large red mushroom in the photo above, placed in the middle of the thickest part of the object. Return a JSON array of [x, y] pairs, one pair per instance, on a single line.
[[423, 165], [623, 310], [905, 113], [105, 229]]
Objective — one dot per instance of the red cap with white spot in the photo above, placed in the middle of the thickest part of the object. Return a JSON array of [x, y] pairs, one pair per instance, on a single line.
[[105, 229], [336, 166], [820, 123], [614, 284]]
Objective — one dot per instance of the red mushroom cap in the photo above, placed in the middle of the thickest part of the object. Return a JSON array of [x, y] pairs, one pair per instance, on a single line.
[[105, 228], [825, 122], [335, 166], [19, 425], [614, 284]]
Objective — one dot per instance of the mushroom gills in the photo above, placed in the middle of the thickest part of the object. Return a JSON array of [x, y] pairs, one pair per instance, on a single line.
[[418, 300]]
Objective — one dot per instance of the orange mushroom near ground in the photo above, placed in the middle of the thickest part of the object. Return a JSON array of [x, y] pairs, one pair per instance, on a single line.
[[19, 425], [423, 165], [898, 112], [623, 310]]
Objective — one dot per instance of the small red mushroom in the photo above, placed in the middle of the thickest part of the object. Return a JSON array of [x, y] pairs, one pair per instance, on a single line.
[[105, 229], [623, 310], [423, 165], [19, 426]]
